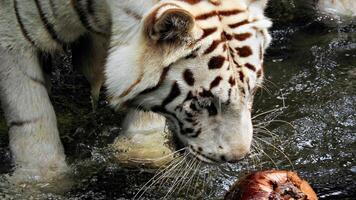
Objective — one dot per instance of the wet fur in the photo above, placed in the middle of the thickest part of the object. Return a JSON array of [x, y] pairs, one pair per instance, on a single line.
[[136, 63]]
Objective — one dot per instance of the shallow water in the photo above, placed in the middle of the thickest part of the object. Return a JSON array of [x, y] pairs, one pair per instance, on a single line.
[[311, 78]]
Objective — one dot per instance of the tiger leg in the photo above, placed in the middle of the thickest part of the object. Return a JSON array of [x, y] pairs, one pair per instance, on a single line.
[[34, 139], [139, 121], [89, 55], [143, 140]]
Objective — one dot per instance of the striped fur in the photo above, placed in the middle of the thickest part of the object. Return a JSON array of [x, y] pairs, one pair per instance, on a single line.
[[195, 62], [198, 64], [29, 29]]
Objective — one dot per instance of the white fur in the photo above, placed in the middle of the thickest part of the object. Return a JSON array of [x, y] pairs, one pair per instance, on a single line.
[[145, 62], [338, 8], [34, 139], [35, 144], [137, 123]]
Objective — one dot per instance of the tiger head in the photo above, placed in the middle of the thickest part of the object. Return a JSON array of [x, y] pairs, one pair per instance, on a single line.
[[198, 63]]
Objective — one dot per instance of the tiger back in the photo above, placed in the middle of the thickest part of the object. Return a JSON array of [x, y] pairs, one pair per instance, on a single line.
[[50, 25]]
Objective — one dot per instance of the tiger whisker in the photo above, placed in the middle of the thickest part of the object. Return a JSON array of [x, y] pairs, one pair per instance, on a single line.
[[252, 157], [282, 121], [171, 173], [176, 181], [191, 171], [258, 149], [256, 154], [265, 113], [204, 182], [271, 83], [179, 177], [195, 173], [269, 157], [264, 88], [189, 168], [274, 147], [267, 123], [265, 131], [162, 157], [194, 181], [158, 175]]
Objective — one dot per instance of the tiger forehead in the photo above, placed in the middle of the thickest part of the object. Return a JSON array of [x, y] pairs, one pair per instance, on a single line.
[[228, 49], [198, 7], [203, 10], [215, 2]]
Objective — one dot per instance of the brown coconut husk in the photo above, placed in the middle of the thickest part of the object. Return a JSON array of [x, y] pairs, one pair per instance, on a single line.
[[271, 185]]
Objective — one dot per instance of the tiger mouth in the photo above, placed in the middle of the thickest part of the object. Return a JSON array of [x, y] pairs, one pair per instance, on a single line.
[[202, 157], [178, 144]]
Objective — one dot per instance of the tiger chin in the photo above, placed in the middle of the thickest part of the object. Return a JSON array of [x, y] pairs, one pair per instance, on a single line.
[[195, 64]]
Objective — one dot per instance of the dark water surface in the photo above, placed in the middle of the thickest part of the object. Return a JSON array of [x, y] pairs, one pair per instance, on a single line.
[[310, 91]]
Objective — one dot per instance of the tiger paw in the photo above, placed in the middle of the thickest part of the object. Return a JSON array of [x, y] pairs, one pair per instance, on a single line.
[[34, 182], [144, 142], [32, 173], [148, 149]]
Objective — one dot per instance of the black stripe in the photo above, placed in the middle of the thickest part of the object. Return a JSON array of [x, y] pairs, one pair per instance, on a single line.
[[92, 14], [90, 7], [161, 79], [22, 123], [174, 93], [229, 95], [196, 134], [53, 8], [22, 27], [48, 26], [241, 23], [172, 116], [83, 16], [132, 14]]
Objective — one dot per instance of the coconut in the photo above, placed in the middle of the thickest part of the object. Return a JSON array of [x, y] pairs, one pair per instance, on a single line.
[[273, 184]]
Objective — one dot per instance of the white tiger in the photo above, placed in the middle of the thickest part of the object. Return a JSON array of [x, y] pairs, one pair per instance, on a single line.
[[195, 62]]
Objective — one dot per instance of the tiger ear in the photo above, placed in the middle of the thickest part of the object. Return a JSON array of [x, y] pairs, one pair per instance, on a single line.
[[168, 24]]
